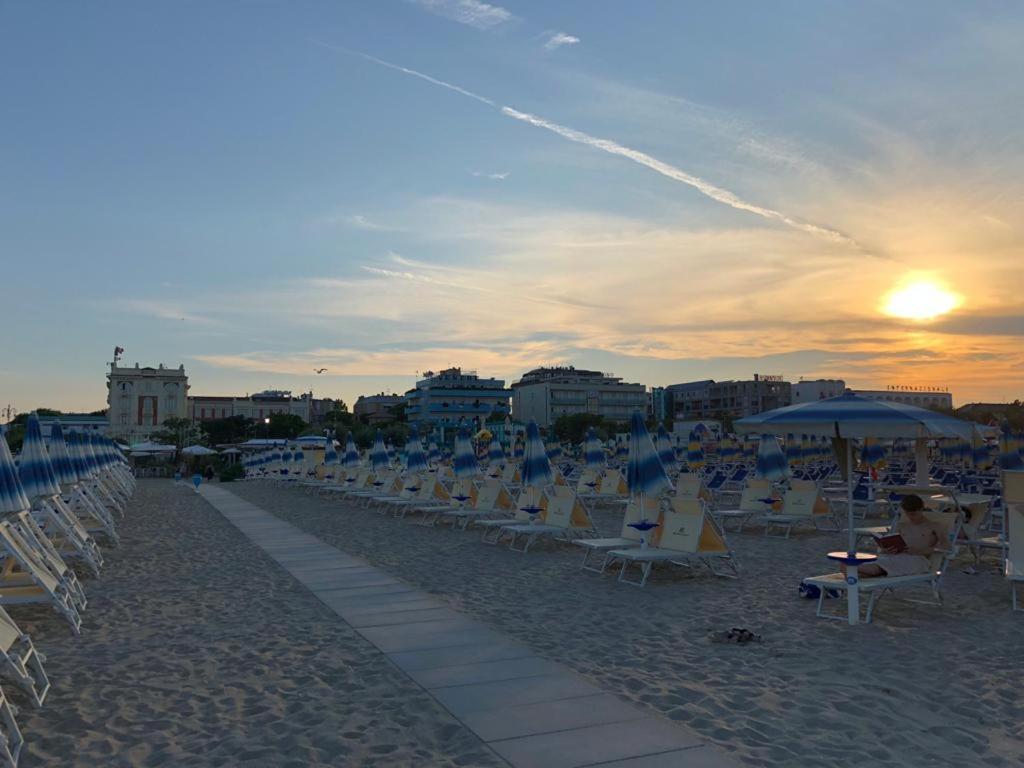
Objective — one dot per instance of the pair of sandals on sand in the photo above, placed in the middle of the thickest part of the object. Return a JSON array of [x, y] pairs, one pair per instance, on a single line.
[[737, 635]]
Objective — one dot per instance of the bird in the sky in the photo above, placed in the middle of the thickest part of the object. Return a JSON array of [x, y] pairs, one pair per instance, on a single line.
[[319, 370]]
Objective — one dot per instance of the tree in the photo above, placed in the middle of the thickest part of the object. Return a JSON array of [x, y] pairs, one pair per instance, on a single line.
[[176, 432], [286, 426], [230, 429], [572, 428], [398, 411]]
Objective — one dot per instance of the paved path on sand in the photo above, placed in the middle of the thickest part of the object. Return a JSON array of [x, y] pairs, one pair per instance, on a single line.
[[530, 711]]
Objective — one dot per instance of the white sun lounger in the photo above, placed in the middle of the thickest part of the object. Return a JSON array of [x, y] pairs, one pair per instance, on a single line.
[[24, 578], [688, 536], [33, 537], [11, 740], [492, 500], [628, 538], [528, 497], [67, 533], [802, 503], [751, 504], [566, 517], [1013, 504], [20, 662]]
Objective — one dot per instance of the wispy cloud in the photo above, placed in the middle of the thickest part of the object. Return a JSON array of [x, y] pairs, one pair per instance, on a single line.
[[558, 39], [495, 176], [473, 13], [361, 222]]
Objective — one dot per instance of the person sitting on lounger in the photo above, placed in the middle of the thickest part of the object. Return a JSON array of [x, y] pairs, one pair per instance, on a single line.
[[922, 537]]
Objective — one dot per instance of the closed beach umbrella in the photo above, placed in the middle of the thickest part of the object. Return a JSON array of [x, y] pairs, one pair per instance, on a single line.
[[330, 453], [378, 454], [34, 470], [593, 451], [465, 457], [1009, 456], [645, 474], [664, 447], [771, 462], [872, 453], [536, 467], [433, 454], [495, 454], [621, 448], [415, 458], [351, 460], [794, 454], [12, 495], [298, 456], [695, 451], [519, 450], [554, 451], [60, 458]]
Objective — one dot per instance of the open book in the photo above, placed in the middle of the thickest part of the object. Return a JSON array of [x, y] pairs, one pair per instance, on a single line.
[[893, 542]]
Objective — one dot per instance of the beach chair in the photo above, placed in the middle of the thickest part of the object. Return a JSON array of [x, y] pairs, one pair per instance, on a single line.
[[528, 498], [11, 740], [691, 486], [688, 536], [67, 533], [1013, 506], [566, 517], [431, 493], [34, 537], [24, 578], [94, 517], [463, 494], [802, 503], [876, 588], [588, 483], [492, 500], [511, 475], [20, 662], [627, 538], [751, 503]]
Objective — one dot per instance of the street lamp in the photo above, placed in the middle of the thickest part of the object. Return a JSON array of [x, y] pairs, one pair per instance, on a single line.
[[266, 428]]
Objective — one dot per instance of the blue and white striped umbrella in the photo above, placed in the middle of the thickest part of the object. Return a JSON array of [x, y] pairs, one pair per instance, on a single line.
[[298, 455], [695, 451], [645, 474], [351, 460], [96, 446], [495, 453], [872, 453], [554, 450], [12, 495], [771, 462], [433, 454], [286, 456], [60, 458], [330, 453], [621, 448], [415, 458], [79, 458], [391, 452], [1009, 456], [593, 451], [34, 469], [465, 457], [519, 449], [379, 454], [666, 452], [536, 468]]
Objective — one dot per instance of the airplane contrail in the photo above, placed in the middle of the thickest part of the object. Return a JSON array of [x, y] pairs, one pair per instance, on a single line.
[[706, 188]]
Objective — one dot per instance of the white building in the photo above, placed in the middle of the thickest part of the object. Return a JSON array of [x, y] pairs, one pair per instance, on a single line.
[[922, 397], [140, 399], [258, 406], [544, 394], [454, 396], [806, 390], [79, 422]]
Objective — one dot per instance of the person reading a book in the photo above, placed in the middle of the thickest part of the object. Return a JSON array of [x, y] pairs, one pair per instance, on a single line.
[[906, 551]]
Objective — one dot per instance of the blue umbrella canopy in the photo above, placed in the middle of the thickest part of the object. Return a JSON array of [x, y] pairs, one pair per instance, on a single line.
[[433, 454], [379, 454], [298, 454], [286, 456], [465, 457], [666, 452], [519, 449], [645, 474], [351, 460], [330, 453], [415, 458], [12, 495], [695, 451], [34, 469], [79, 458], [771, 462], [60, 458], [495, 453], [593, 451], [872, 453], [554, 450], [1009, 454], [536, 469]]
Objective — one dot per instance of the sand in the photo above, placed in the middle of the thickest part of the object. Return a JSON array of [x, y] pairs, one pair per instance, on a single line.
[[922, 686], [198, 650]]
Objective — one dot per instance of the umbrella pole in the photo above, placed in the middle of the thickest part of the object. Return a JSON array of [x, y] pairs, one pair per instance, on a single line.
[[852, 575]]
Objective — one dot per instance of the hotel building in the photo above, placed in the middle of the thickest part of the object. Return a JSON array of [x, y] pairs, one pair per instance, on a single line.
[[140, 399], [544, 394], [448, 397]]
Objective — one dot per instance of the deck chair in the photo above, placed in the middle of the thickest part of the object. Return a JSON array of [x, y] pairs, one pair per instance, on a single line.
[[20, 662], [11, 740], [688, 536], [387, 483], [627, 538], [399, 490], [95, 518], [877, 588], [47, 553], [511, 475], [24, 578], [431, 493], [588, 483], [492, 500], [68, 534], [801, 503], [528, 497], [463, 494], [751, 504], [1013, 504], [566, 517]]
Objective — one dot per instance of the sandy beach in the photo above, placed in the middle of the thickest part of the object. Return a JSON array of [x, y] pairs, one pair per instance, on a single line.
[[921, 686], [198, 650]]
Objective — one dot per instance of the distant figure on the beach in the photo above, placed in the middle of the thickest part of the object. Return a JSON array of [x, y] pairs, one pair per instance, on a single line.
[[921, 538], [209, 472], [197, 479]]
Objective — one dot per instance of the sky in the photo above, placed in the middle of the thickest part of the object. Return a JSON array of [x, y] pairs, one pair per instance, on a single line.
[[663, 190]]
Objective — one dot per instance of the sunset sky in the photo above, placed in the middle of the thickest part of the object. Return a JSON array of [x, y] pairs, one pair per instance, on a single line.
[[665, 190]]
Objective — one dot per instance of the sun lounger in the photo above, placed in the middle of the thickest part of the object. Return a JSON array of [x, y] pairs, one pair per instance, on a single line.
[[691, 486], [19, 661], [492, 500], [876, 588], [463, 494], [67, 533], [752, 503], [687, 536], [802, 503], [33, 537], [24, 578], [11, 740], [1013, 504], [431, 493], [629, 537], [566, 517], [529, 498]]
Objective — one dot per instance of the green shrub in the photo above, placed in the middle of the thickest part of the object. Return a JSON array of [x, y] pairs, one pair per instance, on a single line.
[[232, 472]]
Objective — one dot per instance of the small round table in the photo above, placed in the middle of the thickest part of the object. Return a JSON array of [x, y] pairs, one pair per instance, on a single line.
[[852, 561]]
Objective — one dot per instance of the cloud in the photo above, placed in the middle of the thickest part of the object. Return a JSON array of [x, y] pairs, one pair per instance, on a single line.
[[495, 176], [361, 222], [473, 13], [559, 39]]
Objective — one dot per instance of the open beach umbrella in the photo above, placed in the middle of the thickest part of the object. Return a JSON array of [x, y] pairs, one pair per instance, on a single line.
[[593, 451], [465, 457], [771, 462], [664, 447], [351, 460], [536, 469], [12, 495], [197, 450], [495, 454], [34, 470], [379, 454], [60, 458], [645, 474], [415, 458], [694, 451]]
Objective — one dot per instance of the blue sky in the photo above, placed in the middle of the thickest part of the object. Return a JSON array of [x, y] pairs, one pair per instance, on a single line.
[[233, 186]]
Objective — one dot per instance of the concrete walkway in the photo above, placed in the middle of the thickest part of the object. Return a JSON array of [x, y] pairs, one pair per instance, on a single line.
[[530, 711]]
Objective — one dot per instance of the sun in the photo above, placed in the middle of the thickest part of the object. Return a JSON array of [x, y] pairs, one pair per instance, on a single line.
[[920, 299]]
